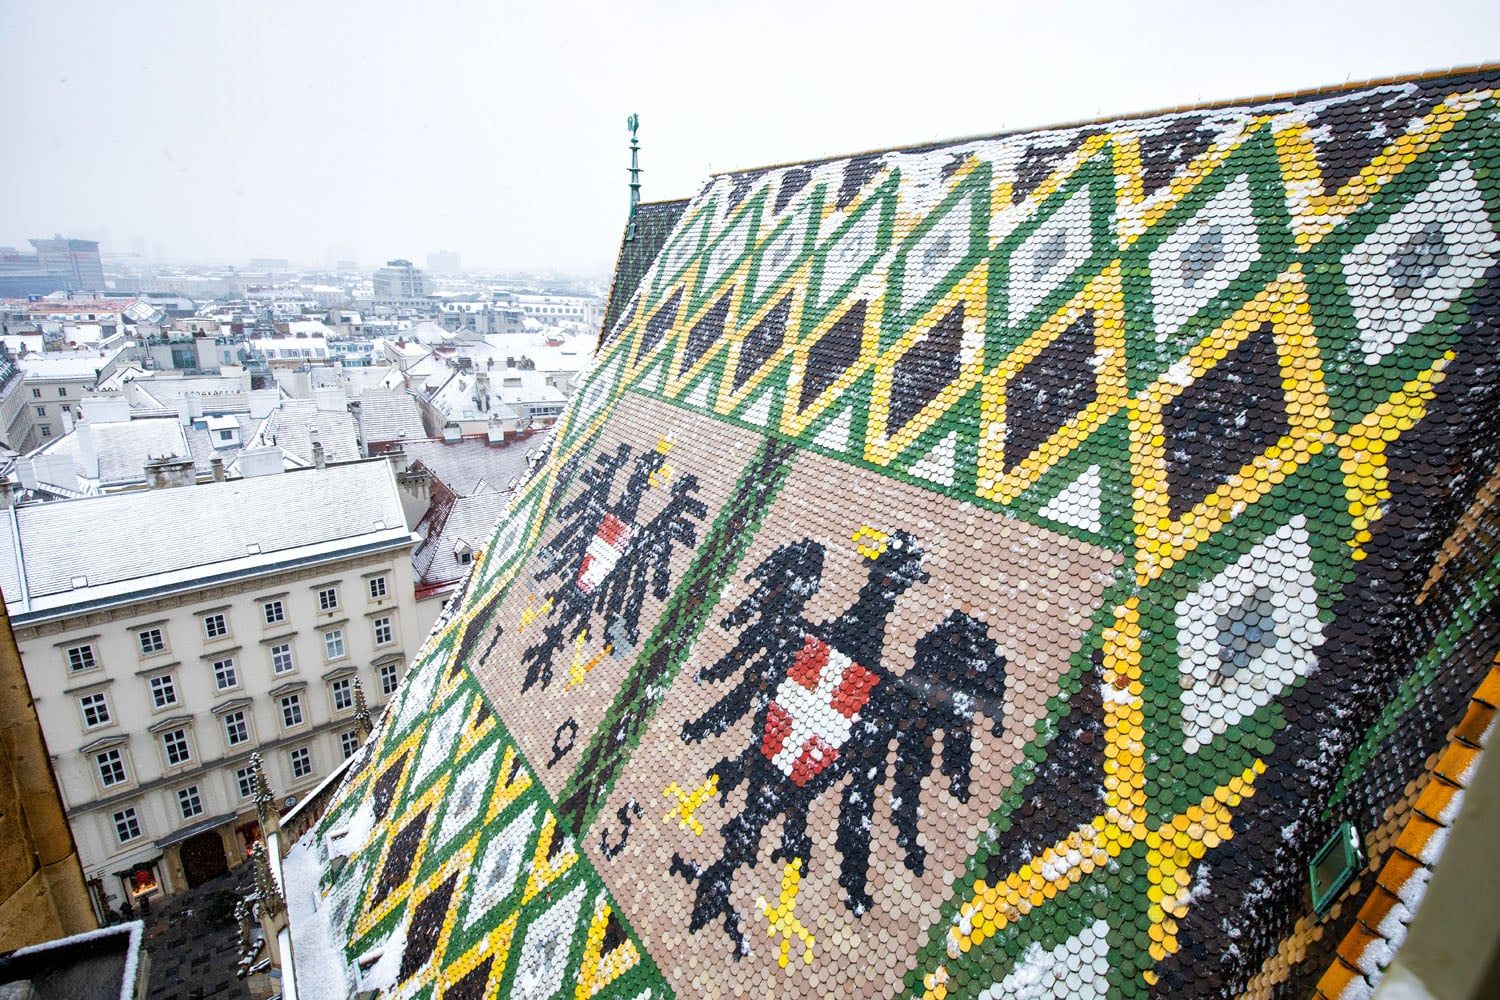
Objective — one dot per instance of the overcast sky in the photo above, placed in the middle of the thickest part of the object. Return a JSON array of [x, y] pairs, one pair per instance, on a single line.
[[314, 130]]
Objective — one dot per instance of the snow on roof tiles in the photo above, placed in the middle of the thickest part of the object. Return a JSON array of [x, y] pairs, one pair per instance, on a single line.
[[186, 533], [983, 569]]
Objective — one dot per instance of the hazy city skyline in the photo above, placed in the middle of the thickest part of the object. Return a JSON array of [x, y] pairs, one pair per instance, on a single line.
[[368, 130]]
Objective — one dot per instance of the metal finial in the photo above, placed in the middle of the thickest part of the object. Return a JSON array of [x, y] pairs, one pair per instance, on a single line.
[[634, 123]]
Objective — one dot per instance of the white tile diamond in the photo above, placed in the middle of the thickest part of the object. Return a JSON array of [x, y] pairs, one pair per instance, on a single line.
[[1203, 257], [1247, 633], [467, 796], [544, 956], [495, 876], [1050, 255], [933, 256], [1416, 263]]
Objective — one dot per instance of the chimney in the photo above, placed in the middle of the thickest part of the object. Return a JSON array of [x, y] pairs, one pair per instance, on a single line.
[[331, 399], [88, 455], [67, 420], [195, 405], [261, 462], [217, 464], [317, 449], [452, 432], [263, 402], [104, 409], [168, 472]]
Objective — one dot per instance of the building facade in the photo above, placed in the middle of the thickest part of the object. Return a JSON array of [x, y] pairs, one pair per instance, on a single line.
[[78, 260], [400, 281], [240, 619]]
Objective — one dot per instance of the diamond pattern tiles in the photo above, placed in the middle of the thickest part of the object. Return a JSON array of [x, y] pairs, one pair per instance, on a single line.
[[986, 570]]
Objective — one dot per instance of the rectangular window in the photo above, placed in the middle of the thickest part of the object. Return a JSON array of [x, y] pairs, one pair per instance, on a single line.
[[348, 742], [274, 612], [163, 691], [46, 431], [41, 411], [62, 391], [82, 657], [176, 745], [377, 588], [333, 644], [95, 710], [225, 676], [36, 394], [301, 760], [328, 599], [281, 657], [111, 765], [343, 694], [291, 711], [188, 802], [236, 729], [388, 679], [151, 640], [244, 780], [127, 825], [384, 633], [215, 626]]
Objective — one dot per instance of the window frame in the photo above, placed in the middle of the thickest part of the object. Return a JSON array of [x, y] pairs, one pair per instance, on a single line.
[[265, 611], [180, 747], [349, 743], [291, 704], [291, 661], [98, 702], [127, 819], [388, 689], [209, 635], [186, 794], [244, 781], [153, 649], [388, 623], [222, 668], [232, 720], [302, 768], [328, 644], [86, 652], [384, 588], [158, 684], [117, 764], [328, 598]]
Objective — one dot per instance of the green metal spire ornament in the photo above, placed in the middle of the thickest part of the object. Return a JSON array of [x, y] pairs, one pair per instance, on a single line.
[[634, 124]]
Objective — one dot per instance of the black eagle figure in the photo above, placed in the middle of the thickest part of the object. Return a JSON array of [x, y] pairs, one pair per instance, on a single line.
[[646, 563], [589, 521], [827, 710]]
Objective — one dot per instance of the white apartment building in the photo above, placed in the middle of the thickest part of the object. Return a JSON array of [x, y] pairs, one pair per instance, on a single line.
[[167, 634], [555, 309]]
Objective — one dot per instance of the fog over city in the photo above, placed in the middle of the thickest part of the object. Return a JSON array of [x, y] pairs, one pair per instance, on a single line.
[[364, 130]]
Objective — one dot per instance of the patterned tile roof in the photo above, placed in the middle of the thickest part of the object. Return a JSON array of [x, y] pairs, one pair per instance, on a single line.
[[989, 569]]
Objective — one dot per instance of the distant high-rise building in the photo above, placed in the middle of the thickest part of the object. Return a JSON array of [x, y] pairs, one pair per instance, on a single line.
[[444, 262], [400, 281], [78, 259]]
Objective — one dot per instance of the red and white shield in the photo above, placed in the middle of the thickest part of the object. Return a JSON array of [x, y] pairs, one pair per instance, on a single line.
[[814, 710], [604, 550]]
